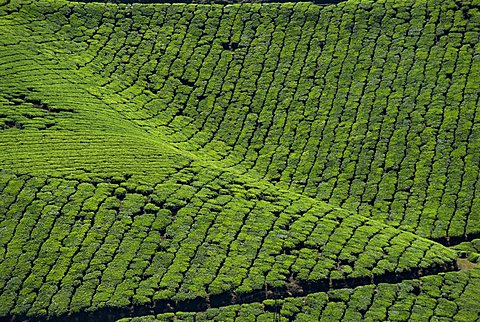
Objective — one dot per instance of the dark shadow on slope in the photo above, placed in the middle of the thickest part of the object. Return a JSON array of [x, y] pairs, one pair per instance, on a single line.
[[291, 289], [319, 2], [18, 99], [450, 241]]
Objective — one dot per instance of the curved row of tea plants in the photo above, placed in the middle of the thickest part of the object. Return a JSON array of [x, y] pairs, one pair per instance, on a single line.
[[449, 297], [160, 157], [70, 245], [371, 107]]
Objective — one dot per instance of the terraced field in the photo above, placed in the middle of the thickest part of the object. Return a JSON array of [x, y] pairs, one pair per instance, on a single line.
[[246, 161]]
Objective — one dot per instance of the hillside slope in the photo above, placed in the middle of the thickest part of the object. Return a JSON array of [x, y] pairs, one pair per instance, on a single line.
[[368, 107], [160, 158]]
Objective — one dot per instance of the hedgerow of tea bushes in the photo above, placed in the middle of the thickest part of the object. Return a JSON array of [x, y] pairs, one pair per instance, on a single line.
[[239, 161]]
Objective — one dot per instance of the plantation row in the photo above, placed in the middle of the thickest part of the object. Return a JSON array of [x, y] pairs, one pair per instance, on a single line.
[[71, 245], [77, 153], [472, 249], [223, 2], [449, 297], [369, 107], [170, 157]]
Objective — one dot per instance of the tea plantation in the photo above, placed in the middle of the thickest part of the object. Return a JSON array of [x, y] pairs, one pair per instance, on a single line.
[[231, 160]]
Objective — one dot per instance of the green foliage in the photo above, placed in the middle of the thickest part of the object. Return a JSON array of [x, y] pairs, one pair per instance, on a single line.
[[205, 155], [405, 301]]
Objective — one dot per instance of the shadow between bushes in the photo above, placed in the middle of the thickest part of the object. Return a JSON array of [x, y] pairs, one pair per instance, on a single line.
[[291, 289]]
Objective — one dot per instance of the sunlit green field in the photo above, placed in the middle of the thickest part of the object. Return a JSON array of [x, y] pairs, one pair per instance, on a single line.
[[248, 161]]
